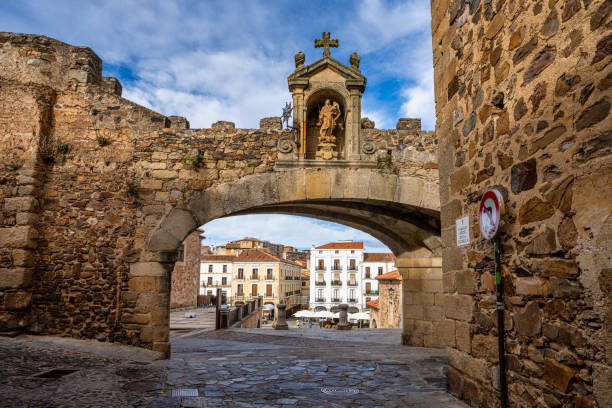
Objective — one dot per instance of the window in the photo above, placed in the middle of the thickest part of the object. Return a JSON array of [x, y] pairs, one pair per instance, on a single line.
[[180, 254], [269, 290], [320, 295], [303, 283], [352, 251], [336, 264], [269, 274], [240, 273], [336, 252], [224, 281], [210, 268], [224, 268], [352, 280], [352, 295], [254, 290], [368, 287], [209, 293], [321, 265], [380, 270], [368, 299], [240, 289], [320, 252], [351, 264], [210, 280], [336, 298], [255, 273], [367, 272]]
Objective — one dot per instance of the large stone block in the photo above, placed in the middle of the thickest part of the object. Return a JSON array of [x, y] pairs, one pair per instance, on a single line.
[[18, 237], [17, 300], [527, 320], [179, 223], [459, 307], [318, 184], [21, 204], [149, 269], [15, 278], [558, 375]]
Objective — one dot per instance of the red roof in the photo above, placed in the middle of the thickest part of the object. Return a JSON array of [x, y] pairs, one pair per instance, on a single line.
[[373, 303], [342, 245], [378, 257], [258, 255], [217, 258], [393, 275], [232, 245]]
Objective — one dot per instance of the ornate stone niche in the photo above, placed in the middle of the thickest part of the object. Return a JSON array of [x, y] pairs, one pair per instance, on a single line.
[[327, 107]]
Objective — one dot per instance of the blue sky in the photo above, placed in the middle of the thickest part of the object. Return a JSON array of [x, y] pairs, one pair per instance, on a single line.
[[229, 59]]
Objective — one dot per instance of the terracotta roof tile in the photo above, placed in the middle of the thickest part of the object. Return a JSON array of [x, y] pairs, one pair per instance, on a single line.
[[217, 258], [342, 245], [378, 257], [373, 303], [393, 275], [257, 255]]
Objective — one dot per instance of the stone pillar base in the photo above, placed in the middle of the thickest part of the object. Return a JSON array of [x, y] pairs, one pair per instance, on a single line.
[[344, 327]]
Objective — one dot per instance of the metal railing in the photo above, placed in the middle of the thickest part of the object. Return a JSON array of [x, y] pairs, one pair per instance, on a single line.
[[336, 300], [351, 283], [320, 268], [336, 283], [320, 283], [320, 300], [336, 268]]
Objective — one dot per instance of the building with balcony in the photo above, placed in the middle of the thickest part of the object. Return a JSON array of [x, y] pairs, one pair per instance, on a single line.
[[374, 265], [341, 272], [335, 276], [216, 272], [256, 273]]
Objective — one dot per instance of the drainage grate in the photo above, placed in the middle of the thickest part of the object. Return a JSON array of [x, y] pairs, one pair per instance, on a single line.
[[55, 373], [339, 391], [185, 392]]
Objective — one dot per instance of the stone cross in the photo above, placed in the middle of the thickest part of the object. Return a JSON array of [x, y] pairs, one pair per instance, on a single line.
[[326, 43]]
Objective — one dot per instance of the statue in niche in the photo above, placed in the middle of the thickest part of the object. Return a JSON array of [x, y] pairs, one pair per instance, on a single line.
[[328, 116]]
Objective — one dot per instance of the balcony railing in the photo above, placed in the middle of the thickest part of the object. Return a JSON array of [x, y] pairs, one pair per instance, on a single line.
[[269, 295], [351, 267], [336, 283], [335, 300], [320, 300], [352, 300], [368, 276], [320, 268], [240, 277], [336, 268], [269, 277], [320, 283], [352, 283], [371, 292]]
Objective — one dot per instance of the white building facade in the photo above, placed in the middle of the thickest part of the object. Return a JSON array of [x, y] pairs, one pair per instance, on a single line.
[[374, 264], [341, 272], [216, 272], [335, 277]]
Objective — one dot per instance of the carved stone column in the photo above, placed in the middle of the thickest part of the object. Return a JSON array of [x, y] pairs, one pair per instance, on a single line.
[[281, 319], [343, 324], [353, 123]]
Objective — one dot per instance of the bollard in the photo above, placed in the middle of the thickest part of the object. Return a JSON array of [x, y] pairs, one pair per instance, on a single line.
[[343, 324], [281, 321]]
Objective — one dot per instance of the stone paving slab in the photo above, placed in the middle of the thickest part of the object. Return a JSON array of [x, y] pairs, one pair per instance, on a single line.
[[204, 319], [229, 368]]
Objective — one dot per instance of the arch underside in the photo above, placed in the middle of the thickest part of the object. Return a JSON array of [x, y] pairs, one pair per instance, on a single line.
[[401, 228]]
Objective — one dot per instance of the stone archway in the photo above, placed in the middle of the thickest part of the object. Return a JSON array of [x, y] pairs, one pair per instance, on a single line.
[[386, 206]]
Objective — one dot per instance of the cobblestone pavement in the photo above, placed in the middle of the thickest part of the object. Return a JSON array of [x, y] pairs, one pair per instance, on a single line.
[[204, 319], [231, 368]]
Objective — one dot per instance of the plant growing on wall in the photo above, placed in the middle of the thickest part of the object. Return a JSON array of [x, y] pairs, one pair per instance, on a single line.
[[384, 161], [197, 160]]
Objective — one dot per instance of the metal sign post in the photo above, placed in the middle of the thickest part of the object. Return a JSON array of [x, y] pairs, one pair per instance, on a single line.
[[491, 210]]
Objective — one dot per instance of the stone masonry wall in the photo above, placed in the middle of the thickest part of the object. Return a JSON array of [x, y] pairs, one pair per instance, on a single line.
[[185, 277], [87, 175], [523, 98]]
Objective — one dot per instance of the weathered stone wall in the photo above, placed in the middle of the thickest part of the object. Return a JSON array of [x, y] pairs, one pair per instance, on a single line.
[[424, 324], [522, 99], [185, 277], [390, 303], [96, 194]]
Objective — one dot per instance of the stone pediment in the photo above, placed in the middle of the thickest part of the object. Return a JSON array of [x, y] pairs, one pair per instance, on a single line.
[[327, 69]]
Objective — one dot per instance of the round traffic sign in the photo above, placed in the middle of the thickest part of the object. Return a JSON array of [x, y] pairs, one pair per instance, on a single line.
[[491, 211]]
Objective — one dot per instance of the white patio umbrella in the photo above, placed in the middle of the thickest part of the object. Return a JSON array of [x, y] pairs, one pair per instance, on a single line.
[[336, 315], [361, 316], [304, 313], [324, 314]]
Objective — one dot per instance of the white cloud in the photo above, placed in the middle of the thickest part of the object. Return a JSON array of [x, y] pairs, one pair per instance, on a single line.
[[297, 231], [419, 101]]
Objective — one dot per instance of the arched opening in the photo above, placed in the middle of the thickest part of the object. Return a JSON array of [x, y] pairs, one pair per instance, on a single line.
[[399, 211], [315, 103]]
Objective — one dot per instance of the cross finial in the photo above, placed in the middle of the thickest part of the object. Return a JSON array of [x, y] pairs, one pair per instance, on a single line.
[[326, 43]]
